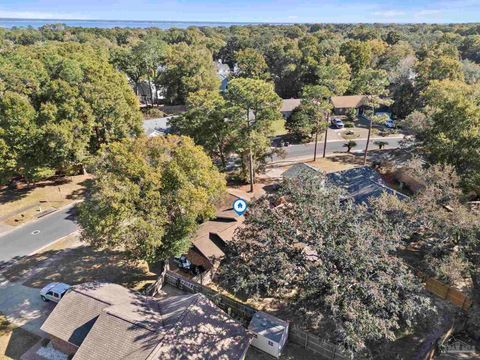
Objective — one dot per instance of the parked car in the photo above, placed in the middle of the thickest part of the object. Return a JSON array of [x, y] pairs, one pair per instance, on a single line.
[[337, 123], [182, 262], [54, 291], [389, 123]]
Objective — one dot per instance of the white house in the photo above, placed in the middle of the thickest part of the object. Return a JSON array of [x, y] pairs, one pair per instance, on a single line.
[[269, 333]]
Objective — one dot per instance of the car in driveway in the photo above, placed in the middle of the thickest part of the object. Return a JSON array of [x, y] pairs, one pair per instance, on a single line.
[[54, 291], [337, 123], [182, 262], [389, 122]]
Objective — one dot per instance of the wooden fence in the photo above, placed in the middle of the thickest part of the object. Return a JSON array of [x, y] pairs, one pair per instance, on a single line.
[[455, 296], [244, 313], [323, 348], [444, 291]]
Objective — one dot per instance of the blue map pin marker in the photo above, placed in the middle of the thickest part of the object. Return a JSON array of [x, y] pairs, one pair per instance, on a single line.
[[240, 206]]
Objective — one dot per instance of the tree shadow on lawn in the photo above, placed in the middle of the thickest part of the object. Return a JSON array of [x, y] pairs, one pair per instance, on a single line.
[[9, 194], [79, 265]]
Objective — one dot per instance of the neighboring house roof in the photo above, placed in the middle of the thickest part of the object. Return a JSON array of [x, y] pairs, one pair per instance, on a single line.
[[125, 325], [207, 247], [288, 105], [352, 101], [362, 184], [299, 169]]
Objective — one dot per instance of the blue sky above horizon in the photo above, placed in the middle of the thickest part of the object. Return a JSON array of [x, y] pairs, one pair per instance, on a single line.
[[301, 11]]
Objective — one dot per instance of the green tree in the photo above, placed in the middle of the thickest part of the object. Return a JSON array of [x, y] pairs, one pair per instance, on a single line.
[[259, 106], [381, 144], [148, 195], [331, 261], [358, 55], [18, 137], [452, 134], [349, 145], [79, 102], [374, 84], [444, 228], [187, 69], [251, 64], [209, 121], [311, 117]]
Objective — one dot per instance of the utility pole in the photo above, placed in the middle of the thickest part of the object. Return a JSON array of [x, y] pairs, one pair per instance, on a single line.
[[250, 154], [327, 116], [316, 142], [369, 130], [368, 141]]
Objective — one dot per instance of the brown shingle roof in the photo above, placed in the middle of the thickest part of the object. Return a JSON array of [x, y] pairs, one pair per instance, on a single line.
[[289, 105], [192, 328], [142, 328], [352, 101], [83, 304]]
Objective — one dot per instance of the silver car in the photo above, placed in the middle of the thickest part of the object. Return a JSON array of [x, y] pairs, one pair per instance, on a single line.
[[54, 291]]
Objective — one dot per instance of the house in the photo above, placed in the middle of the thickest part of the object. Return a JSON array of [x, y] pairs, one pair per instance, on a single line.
[[269, 333], [299, 169], [288, 105], [148, 93], [223, 73], [107, 321], [211, 238], [341, 104], [361, 184]]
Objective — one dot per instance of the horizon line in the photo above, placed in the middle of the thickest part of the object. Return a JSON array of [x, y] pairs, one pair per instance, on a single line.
[[244, 22]]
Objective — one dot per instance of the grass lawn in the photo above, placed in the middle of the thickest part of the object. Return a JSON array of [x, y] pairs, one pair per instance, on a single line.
[[279, 127], [14, 341], [337, 162], [20, 206]]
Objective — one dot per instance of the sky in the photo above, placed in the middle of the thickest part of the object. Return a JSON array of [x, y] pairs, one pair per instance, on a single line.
[[291, 11]]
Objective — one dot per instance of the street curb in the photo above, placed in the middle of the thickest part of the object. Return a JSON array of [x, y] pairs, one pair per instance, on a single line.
[[53, 243], [72, 204]]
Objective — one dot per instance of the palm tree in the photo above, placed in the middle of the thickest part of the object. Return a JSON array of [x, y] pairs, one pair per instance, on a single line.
[[381, 144], [349, 145]]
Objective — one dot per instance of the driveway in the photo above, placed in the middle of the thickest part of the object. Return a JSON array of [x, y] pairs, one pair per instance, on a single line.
[[23, 307]]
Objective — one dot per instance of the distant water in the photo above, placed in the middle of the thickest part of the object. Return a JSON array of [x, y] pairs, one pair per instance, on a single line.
[[108, 24]]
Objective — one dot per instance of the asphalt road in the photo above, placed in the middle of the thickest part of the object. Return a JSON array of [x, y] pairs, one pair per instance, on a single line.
[[33, 236], [306, 150]]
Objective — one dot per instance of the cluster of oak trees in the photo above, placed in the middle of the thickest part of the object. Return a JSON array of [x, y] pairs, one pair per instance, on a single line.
[[413, 65]]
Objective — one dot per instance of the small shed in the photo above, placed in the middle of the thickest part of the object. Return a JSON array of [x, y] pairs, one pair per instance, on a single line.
[[270, 333]]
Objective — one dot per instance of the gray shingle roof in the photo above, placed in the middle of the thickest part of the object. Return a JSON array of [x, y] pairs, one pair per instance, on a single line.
[[362, 184], [299, 169]]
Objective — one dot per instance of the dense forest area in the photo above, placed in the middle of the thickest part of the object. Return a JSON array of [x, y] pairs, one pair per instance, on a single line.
[[66, 82]]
